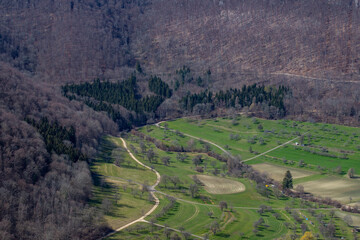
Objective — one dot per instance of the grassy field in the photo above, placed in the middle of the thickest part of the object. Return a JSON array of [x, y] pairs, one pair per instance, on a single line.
[[118, 186], [321, 149], [278, 172], [322, 145], [325, 145], [355, 218], [337, 188], [185, 170], [194, 216]]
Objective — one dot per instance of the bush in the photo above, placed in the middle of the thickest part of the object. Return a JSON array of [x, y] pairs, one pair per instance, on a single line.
[[199, 169]]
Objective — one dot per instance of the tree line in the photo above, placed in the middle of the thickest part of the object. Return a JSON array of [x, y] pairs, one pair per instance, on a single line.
[[122, 93], [136, 119], [239, 98]]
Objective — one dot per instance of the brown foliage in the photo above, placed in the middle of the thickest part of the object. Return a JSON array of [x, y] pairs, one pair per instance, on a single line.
[[40, 193]]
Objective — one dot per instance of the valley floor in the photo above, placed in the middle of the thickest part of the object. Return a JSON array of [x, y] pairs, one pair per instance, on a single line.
[[199, 199]]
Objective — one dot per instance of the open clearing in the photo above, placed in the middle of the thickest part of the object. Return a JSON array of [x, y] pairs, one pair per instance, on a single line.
[[355, 219], [278, 172], [335, 188], [196, 213], [216, 185]]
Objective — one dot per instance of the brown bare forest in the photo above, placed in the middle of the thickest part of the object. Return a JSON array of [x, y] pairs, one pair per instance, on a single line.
[[312, 47]]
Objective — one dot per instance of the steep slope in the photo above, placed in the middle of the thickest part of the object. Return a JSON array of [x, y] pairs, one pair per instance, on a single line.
[[79, 40], [313, 46], [312, 38]]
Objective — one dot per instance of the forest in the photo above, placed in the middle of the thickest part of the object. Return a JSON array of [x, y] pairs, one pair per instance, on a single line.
[[105, 95], [46, 183], [159, 87], [239, 98], [122, 93], [58, 139], [43, 193]]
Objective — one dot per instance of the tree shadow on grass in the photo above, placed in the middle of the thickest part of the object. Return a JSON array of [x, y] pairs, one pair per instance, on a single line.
[[132, 167], [106, 189], [124, 205], [223, 235], [106, 148]]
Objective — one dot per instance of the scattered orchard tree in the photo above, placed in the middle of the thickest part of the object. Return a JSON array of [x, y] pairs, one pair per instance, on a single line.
[[106, 205], [351, 173], [197, 160], [181, 157], [150, 155], [194, 190], [175, 236], [215, 227], [165, 160], [223, 205], [348, 220]]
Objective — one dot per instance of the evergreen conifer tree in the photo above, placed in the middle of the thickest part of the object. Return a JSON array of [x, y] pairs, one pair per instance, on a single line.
[[288, 181]]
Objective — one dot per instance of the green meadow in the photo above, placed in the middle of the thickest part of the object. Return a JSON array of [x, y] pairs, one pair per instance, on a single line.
[[325, 149], [320, 148]]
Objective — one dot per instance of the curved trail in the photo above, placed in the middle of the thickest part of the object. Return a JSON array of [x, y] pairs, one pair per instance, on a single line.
[[228, 153], [152, 192], [157, 201], [194, 215], [173, 229], [254, 208], [152, 189], [204, 140]]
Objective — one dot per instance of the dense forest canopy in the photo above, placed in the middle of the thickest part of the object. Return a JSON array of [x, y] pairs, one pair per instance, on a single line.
[[123, 93], [58, 139], [44, 188], [159, 87], [239, 98], [43, 193]]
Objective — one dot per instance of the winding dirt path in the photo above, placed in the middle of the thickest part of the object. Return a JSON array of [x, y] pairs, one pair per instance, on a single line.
[[157, 201], [204, 140], [152, 190]]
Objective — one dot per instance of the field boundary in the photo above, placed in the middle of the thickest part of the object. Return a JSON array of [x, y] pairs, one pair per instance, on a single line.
[[261, 154], [173, 229], [228, 153], [188, 135]]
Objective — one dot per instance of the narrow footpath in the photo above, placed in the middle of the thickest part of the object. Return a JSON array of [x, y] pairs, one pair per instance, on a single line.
[[152, 190]]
